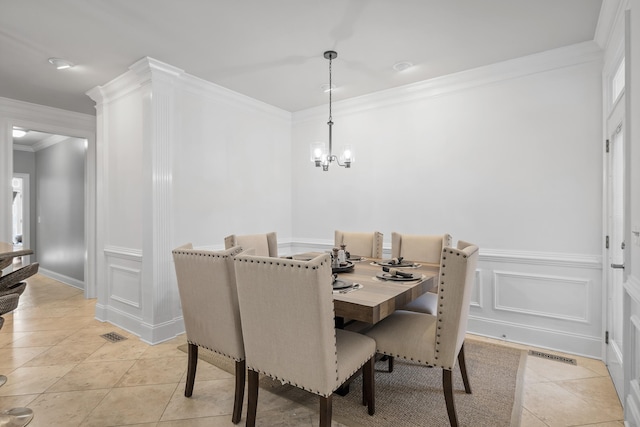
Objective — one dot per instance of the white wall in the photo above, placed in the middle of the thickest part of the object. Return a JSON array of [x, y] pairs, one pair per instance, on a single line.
[[231, 172], [508, 157], [180, 160]]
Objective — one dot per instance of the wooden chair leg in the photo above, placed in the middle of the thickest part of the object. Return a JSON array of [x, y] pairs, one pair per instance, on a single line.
[[368, 385], [191, 369], [252, 398], [326, 408], [390, 363], [463, 370], [447, 385], [239, 395]]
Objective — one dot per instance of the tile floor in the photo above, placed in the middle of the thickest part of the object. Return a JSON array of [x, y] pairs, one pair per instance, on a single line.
[[58, 364]]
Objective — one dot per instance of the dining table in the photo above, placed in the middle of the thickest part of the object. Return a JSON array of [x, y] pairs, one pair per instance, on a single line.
[[374, 297]]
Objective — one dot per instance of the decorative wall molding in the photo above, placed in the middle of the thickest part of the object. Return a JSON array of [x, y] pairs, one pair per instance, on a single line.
[[542, 258], [568, 56], [123, 253], [567, 260], [478, 291], [536, 281], [211, 90], [125, 285], [632, 287]]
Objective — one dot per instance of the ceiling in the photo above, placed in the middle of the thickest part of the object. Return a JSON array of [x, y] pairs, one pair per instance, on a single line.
[[273, 50]]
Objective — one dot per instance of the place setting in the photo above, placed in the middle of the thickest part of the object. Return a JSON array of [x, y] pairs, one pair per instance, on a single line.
[[341, 286], [395, 275], [396, 263]]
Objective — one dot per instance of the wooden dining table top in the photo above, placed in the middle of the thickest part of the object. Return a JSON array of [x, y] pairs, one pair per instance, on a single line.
[[378, 298]]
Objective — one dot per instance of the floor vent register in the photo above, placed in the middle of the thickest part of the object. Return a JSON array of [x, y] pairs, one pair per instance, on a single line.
[[113, 337], [553, 357]]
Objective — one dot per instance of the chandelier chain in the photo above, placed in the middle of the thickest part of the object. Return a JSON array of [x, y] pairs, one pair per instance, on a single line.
[[330, 88]]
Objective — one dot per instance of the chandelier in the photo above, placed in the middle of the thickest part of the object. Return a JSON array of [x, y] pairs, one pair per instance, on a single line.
[[319, 153]]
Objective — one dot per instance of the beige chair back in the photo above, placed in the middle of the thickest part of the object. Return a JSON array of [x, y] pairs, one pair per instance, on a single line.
[[360, 244], [287, 320], [423, 248], [263, 244], [209, 299], [457, 276]]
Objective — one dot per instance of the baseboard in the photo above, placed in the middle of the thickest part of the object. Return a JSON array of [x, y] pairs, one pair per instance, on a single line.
[[79, 284], [580, 345], [151, 334]]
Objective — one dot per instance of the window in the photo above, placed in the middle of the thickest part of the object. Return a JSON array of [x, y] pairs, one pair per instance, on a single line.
[[617, 83]]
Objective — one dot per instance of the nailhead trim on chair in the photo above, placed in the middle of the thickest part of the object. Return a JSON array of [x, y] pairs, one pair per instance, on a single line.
[[237, 359], [286, 381]]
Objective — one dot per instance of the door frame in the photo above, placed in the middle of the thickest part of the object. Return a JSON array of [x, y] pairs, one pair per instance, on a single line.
[[26, 211], [60, 122]]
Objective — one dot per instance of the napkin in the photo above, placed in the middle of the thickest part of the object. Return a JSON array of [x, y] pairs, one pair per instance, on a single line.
[[396, 272]]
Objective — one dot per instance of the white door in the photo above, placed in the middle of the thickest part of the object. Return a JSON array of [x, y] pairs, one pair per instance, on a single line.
[[615, 253]]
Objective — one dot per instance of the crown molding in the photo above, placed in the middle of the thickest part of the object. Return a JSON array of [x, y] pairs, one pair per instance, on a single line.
[[574, 55], [610, 12]]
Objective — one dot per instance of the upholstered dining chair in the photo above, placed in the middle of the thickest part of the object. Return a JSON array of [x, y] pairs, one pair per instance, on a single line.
[[360, 244], [427, 249], [287, 315], [436, 339], [420, 248], [263, 244], [209, 299]]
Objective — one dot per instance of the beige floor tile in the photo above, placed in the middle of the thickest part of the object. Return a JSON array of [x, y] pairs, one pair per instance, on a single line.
[[219, 421], [40, 339], [210, 398], [154, 371], [8, 338], [12, 358], [557, 371], [130, 349], [93, 333], [169, 349], [530, 420], [92, 376], [131, 405], [64, 409], [599, 391], [556, 406], [65, 354], [607, 424], [19, 401], [35, 312], [206, 372], [49, 324], [33, 379]]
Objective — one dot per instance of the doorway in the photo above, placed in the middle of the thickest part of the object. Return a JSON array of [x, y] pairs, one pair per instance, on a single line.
[[57, 165], [20, 213]]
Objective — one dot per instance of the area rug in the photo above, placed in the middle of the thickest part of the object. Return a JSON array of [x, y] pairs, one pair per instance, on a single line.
[[412, 394]]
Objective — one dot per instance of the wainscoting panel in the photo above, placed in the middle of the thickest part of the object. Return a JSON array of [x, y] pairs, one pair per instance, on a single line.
[[547, 300], [632, 352], [124, 279], [540, 295]]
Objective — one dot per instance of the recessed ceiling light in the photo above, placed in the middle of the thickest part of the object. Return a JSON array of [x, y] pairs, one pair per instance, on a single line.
[[325, 87], [402, 65], [19, 133], [60, 64]]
